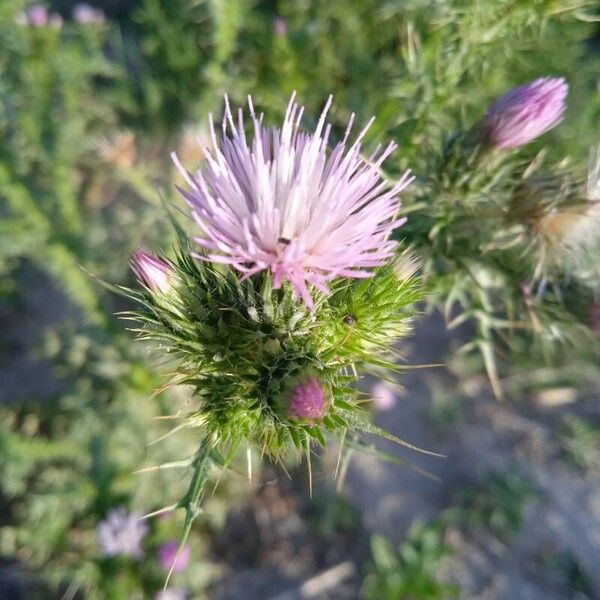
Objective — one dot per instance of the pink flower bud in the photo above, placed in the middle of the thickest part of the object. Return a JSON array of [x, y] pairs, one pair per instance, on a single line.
[[37, 15], [153, 272], [525, 112], [169, 557], [308, 400]]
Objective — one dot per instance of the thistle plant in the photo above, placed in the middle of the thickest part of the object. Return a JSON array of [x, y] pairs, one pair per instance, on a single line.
[[293, 287], [508, 238]]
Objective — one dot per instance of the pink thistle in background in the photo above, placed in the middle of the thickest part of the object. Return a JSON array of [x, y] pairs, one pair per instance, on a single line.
[[37, 15], [153, 272], [121, 533], [85, 14], [280, 27], [170, 557], [281, 201], [308, 401], [383, 396], [526, 112]]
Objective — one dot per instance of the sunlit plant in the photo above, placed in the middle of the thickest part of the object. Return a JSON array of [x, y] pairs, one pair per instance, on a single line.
[[292, 287]]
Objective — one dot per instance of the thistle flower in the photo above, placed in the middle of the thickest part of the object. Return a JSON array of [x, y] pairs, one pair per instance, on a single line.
[[383, 396], [308, 401], [283, 203], [525, 112], [170, 557], [121, 533], [280, 27], [153, 272], [85, 14], [279, 208], [38, 16]]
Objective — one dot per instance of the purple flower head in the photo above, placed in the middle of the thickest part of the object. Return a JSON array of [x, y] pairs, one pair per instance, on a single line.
[[121, 533], [383, 396], [525, 112], [169, 557], [37, 15], [280, 27], [308, 401], [278, 200], [151, 271], [87, 15]]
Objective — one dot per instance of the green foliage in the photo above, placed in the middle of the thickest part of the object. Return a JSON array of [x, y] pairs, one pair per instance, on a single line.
[[67, 463], [48, 117], [412, 570], [333, 514], [581, 442], [497, 504]]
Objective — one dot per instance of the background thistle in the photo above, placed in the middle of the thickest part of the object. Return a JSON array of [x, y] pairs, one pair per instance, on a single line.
[[507, 239]]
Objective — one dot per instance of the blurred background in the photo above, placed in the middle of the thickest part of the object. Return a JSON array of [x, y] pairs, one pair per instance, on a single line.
[[93, 97]]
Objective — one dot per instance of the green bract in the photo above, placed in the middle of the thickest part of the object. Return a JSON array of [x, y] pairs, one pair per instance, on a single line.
[[242, 346]]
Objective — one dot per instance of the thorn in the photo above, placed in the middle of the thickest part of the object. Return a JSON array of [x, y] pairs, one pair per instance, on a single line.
[[339, 458], [249, 459], [309, 466]]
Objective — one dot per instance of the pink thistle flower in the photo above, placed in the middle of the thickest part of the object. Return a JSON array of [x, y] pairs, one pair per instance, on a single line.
[[526, 112], [282, 202], [121, 533], [37, 15], [308, 401], [383, 396], [88, 15], [153, 272], [280, 27], [169, 557]]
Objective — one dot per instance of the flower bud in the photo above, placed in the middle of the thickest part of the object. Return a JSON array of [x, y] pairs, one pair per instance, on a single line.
[[308, 401], [525, 113], [153, 272]]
